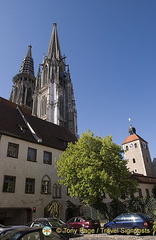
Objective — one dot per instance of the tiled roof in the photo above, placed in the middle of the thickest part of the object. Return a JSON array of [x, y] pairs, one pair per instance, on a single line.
[[144, 179], [132, 138], [13, 124]]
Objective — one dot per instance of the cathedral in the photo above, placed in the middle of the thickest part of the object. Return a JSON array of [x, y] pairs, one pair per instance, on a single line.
[[50, 94], [43, 121]]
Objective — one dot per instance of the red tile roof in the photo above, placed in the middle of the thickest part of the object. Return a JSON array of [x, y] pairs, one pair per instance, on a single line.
[[132, 138], [12, 124]]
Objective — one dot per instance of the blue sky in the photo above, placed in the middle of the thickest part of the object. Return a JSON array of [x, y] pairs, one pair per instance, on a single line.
[[111, 49]]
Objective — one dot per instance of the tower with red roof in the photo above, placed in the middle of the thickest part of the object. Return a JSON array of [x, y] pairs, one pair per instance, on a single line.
[[137, 154]]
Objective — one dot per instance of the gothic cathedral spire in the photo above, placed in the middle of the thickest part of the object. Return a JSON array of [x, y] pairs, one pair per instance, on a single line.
[[24, 82], [50, 95], [54, 96]]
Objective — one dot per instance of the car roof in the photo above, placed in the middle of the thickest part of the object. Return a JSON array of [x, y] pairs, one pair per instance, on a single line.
[[134, 214]]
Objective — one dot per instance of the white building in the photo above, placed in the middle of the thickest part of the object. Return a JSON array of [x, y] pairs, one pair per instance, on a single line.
[[28, 177]]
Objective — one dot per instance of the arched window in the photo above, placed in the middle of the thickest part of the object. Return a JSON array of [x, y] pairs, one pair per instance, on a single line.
[[45, 75], [45, 185], [43, 105], [29, 98], [126, 148], [23, 95], [61, 106], [57, 190]]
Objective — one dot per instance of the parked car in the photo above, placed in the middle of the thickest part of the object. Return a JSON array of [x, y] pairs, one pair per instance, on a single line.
[[130, 223], [30, 234], [84, 223], [56, 224], [6, 229]]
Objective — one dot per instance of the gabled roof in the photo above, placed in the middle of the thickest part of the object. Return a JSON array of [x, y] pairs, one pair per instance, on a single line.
[[132, 138], [18, 122]]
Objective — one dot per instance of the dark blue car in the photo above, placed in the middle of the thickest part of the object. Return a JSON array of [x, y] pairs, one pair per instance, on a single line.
[[130, 223]]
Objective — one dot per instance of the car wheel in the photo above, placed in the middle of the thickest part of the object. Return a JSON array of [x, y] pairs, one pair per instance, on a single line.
[[108, 230], [137, 231]]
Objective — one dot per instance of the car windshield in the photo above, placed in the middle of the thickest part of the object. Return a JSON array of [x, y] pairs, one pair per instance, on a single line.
[[87, 218], [56, 222], [145, 216]]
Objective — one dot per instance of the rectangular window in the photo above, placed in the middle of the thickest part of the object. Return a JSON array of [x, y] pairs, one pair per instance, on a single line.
[[30, 185], [9, 184], [147, 192], [32, 154], [140, 192], [47, 157], [12, 150], [56, 191]]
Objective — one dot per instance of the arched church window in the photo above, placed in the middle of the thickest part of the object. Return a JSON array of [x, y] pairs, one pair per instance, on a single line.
[[61, 106], [45, 75], [45, 185], [62, 77], [23, 95], [29, 98], [43, 106]]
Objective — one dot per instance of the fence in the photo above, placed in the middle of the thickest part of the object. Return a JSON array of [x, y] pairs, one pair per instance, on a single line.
[[116, 207]]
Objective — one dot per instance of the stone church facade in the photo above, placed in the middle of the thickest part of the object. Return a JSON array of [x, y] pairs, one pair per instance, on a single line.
[[50, 95]]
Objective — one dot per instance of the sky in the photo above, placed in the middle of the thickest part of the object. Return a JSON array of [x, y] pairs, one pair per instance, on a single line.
[[110, 47]]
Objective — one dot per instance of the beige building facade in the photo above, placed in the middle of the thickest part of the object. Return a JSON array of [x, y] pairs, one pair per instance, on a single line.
[[29, 186]]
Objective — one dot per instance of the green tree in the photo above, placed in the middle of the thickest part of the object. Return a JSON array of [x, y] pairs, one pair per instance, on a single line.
[[92, 167], [154, 191]]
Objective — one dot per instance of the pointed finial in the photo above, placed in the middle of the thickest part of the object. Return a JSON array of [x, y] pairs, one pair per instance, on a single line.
[[29, 51], [132, 129]]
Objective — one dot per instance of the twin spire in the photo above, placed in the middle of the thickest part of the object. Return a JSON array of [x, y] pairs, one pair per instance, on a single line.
[[54, 50], [27, 65], [50, 95]]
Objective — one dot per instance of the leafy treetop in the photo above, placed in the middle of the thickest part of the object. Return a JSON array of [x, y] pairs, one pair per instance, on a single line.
[[94, 166]]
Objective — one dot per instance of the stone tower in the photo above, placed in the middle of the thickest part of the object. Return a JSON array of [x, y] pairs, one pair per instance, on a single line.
[[50, 95], [24, 83], [137, 154], [53, 96]]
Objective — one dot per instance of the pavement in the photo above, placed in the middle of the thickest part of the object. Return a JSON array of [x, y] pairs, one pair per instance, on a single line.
[[104, 236]]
